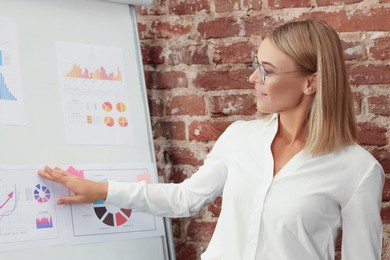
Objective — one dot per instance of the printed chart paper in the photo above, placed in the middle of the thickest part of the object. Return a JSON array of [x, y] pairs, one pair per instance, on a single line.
[[11, 98], [95, 94], [29, 216]]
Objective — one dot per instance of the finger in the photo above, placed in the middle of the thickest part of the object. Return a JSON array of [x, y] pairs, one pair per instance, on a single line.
[[45, 174], [55, 174], [70, 200]]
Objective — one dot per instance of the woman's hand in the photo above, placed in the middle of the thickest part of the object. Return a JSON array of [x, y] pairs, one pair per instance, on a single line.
[[86, 191]]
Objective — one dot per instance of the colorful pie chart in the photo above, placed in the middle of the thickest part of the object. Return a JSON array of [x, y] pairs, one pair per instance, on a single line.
[[109, 121], [107, 106], [121, 107], [123, 122], [41, 193], [111, 217]]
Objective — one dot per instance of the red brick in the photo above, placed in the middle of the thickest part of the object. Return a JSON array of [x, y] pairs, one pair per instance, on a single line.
[[167, 30], [215, 208], [188, 54], [143, 32], [168, 129], [353, 50], [383, 157], [218, 80], [156, 106], [187, 105], [206, 131], [219, 28], [158, 7], [183, 7], [385, 214], [279, 4], [379, 105], [370, 134], [176, 227], [374, 20], [258, 25], [236, 5], [357, 103], [239, 52], [166, 79], [337, 2], [233, 105], [381, 49], [200, 231], [152, 54], [186, 251], [177, 175], [368, 74], [386, 191], [178, 156]]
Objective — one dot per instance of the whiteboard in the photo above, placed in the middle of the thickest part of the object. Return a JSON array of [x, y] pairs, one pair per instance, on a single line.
[[41, 24]]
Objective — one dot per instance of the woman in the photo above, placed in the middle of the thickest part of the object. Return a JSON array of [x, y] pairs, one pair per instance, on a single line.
[[289, 181]]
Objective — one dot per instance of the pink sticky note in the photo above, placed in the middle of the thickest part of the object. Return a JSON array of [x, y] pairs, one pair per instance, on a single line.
[[75, 172]]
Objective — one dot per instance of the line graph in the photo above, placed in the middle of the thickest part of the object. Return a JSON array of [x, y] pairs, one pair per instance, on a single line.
[[9, 206]]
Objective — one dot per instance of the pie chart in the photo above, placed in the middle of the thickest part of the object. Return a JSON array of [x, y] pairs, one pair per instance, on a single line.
[[109, 121], [107, 106], [123, 121], [110, 216], [121, 107], [41, 193]]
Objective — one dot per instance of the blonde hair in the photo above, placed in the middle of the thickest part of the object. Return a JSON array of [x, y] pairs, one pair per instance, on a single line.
[[315, 46]]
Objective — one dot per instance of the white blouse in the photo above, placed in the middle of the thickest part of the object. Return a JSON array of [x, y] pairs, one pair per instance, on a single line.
[[294, 215]]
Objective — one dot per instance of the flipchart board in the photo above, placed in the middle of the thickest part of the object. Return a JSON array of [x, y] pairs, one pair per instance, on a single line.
[[72, 94]]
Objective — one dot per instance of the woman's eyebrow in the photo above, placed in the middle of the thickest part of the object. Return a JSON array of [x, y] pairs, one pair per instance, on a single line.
[[268, 63]]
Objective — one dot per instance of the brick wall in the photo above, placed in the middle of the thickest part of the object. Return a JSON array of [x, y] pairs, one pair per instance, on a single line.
[[197, 57]]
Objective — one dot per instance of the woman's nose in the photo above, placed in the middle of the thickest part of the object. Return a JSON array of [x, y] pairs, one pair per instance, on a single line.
[[254, 77]]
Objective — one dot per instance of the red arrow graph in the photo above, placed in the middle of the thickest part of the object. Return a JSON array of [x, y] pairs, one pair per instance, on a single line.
[[9, 197]]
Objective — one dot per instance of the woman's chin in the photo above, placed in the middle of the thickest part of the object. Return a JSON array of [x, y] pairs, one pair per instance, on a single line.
[[264, 110]]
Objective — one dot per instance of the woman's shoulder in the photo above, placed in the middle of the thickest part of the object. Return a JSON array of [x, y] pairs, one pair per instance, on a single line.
[[358, 158]]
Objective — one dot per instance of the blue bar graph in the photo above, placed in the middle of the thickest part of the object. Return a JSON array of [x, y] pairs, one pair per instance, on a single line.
[[5, 93]]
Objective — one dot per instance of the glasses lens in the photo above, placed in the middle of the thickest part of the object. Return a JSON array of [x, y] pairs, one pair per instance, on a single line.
[[254, 63], [262, 74]]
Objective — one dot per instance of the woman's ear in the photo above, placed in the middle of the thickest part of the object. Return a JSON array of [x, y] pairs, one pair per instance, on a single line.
[[311, 86]]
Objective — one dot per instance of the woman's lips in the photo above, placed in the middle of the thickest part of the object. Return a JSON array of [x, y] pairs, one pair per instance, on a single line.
[[260, 94]]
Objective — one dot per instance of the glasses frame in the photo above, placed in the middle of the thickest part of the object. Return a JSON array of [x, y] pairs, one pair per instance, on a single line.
[[263, 73]]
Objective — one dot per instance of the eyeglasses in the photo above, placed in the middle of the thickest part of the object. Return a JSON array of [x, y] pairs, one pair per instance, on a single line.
[[264, 73]]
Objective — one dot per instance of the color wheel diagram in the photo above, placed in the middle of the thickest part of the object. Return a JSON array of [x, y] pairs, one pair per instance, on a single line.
[[110, 215], [101, 218]]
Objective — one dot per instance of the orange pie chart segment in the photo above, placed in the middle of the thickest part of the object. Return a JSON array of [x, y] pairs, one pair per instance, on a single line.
[[121, 107], [123, 122], [107, 106], [109, 121]]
